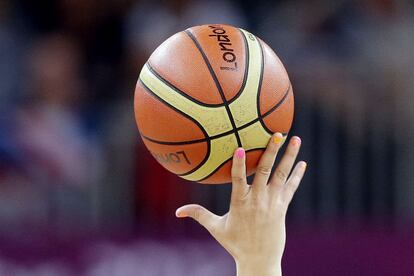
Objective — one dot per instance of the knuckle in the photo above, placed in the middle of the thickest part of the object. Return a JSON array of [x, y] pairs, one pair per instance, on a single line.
[[266, 170], [197, 213], [237, 178], [281, 175]]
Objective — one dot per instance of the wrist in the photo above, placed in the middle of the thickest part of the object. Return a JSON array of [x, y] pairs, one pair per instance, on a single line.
[[248, 267]]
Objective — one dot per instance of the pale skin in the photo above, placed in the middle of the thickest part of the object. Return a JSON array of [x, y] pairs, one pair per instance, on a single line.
[[253, 231]]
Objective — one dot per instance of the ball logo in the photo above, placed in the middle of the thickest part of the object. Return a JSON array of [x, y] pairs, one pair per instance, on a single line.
[[172, 157], [226, 47]]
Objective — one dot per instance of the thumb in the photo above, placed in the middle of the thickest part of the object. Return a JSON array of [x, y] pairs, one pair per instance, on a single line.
[[199, 214]]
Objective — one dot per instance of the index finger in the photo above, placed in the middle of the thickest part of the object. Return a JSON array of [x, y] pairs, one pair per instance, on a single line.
[[238, 175]]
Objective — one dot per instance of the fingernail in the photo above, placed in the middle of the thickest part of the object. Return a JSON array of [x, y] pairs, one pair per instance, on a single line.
[[178, 214], [296, 141], [304, 165], [240, 153], [278, 138]]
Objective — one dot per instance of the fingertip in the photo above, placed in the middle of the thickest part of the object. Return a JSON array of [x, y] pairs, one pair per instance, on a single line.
[[179, 213], [303, 165], [238, 169], [296, 141], [277, 138], [240, 153], [300, 169]]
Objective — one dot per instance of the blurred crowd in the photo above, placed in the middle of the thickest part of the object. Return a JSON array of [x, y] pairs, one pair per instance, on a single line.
[[72, 162], [70, 152]]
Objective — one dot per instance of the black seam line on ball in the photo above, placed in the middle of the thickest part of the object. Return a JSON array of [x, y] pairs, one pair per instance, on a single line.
[[185, 115], [261, 118], [190, 141], [260, 90], [209, 138], [182, 93], [219, 88], [246, 67], [278, 104], [196, 141], [222, 164], [173, 107]]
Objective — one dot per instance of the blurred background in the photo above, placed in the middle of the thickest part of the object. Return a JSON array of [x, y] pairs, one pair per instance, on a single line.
[[80, 195]]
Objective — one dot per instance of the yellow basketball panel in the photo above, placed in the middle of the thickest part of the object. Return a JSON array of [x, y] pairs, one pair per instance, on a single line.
[[214, 120], [244, 108], [221, 150]]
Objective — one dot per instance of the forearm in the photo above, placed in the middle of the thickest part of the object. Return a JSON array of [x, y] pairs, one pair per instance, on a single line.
[[248, 268]]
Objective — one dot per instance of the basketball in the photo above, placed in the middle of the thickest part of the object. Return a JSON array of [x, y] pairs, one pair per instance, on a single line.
[[206, 91]]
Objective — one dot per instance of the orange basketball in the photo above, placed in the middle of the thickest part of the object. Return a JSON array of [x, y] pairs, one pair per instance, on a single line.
[[206, 91]]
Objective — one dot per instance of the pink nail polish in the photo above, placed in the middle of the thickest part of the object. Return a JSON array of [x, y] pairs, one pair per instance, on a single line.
[[240, 153], [296, 141]]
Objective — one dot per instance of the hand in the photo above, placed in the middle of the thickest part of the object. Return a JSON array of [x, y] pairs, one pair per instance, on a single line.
[[253, 231]]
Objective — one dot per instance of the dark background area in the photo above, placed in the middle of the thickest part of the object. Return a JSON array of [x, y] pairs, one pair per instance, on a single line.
[[80, 194]]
